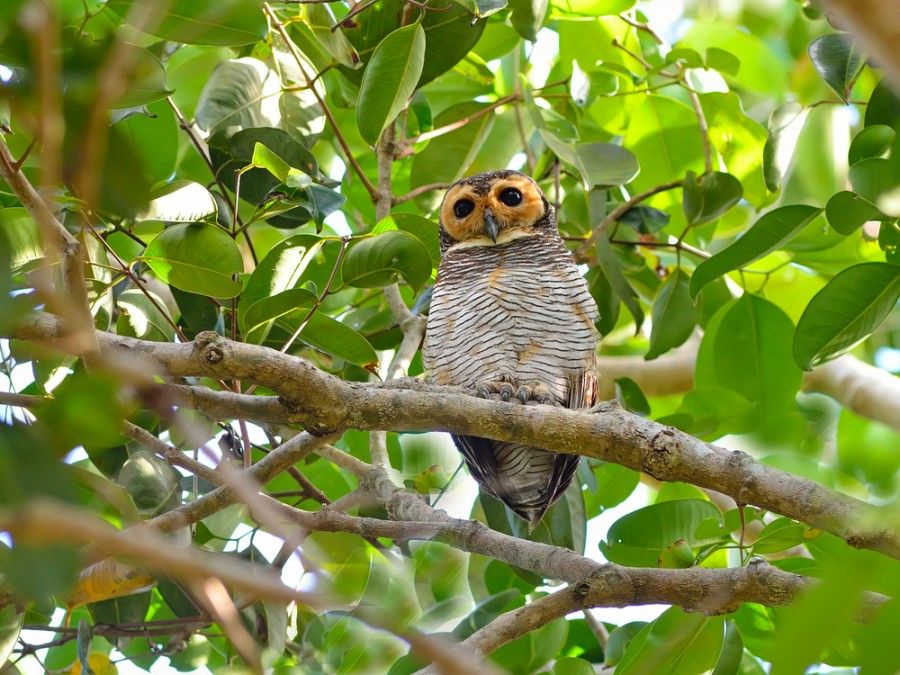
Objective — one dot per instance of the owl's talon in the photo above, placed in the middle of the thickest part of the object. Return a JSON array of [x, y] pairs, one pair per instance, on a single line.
[[506, 391], [523, 394]]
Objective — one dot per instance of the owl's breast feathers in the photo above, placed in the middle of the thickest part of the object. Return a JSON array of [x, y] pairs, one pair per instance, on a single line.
[[519, 312]]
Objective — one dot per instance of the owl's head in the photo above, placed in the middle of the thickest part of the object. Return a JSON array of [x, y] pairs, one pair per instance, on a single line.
[[494, 207]]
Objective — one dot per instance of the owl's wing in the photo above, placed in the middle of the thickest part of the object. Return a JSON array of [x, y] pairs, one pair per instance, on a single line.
[[582, 394]]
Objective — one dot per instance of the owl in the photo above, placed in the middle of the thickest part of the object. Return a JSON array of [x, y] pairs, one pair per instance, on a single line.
[[511, 316]]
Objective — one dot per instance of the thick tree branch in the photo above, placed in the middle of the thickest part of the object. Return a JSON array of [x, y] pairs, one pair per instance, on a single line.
[[328, 405]]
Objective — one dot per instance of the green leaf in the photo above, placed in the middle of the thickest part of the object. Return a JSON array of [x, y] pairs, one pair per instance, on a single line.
[[874, 141], [259, 316], [630, 396], [709, 196], [723, 61], [282, 269], [639, 538], [674, 315], [612, 270], [264, 158], [141, 318], [570, 665], [619, 640], [533, 650], [732, 652], [847, 212], [884, 106], [225, 22], [376, 261], [320, 19], [182, 201], [837, 60], [246, 93], [196, 258], [762, 70], [678, 643], [746, 348], [389, 80], [664, 136], [878, 181], [780, 535], [608, 302], [848, 309], [889, 241], [11, 621], [785, 124], [615, 483], [448, 157], [21, 239], [767, 234], [338, 339], [527, 17], [593, 8], [420, 227]]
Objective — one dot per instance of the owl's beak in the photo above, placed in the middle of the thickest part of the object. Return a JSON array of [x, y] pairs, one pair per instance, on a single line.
[[490, 225]]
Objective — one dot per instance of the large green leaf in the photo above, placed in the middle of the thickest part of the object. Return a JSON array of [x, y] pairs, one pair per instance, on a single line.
[[878, 180], [674, 315], [181, 201], [664, 135], [746, 348], [389, 80], [420, 227], [450, 32], [196, 258], [259, 316], [281, 270], [225, 22], [709, 196], [247, 93], [377, 261], [847, 212], [837, 60], [527, 17], [848, 309], [767, 234], [639, 538], [21, 236], [678, 643], [337, 339], [785, 124]]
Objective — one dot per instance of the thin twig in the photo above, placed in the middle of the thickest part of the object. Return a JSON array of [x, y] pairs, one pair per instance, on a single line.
[[421, 190]]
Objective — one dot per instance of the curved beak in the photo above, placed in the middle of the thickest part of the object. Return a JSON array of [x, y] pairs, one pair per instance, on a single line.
[[490, 225]]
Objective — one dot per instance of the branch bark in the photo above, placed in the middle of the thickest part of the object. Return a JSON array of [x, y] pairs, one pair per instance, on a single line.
[[326, 406]]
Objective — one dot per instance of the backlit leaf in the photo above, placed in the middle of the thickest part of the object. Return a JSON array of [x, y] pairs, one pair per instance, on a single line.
[[852, 305], [389, 80], [196, 258]]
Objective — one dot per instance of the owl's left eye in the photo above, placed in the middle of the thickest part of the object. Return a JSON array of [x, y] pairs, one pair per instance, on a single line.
[[511, 197]]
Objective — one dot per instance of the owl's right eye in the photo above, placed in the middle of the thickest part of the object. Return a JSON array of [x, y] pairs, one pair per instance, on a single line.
[[463, 207]]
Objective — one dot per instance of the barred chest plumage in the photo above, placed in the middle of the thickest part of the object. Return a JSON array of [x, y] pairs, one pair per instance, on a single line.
[[519, 309]]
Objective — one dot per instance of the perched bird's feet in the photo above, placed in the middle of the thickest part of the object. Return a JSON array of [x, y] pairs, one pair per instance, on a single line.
[[538, 393], [502, 385]]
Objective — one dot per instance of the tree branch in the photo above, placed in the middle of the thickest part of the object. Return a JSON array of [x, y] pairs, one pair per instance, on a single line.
[[327, 405]]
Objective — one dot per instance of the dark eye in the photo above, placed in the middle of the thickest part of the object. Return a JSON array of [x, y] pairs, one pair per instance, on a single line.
[[511, 197], [463, 207]]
